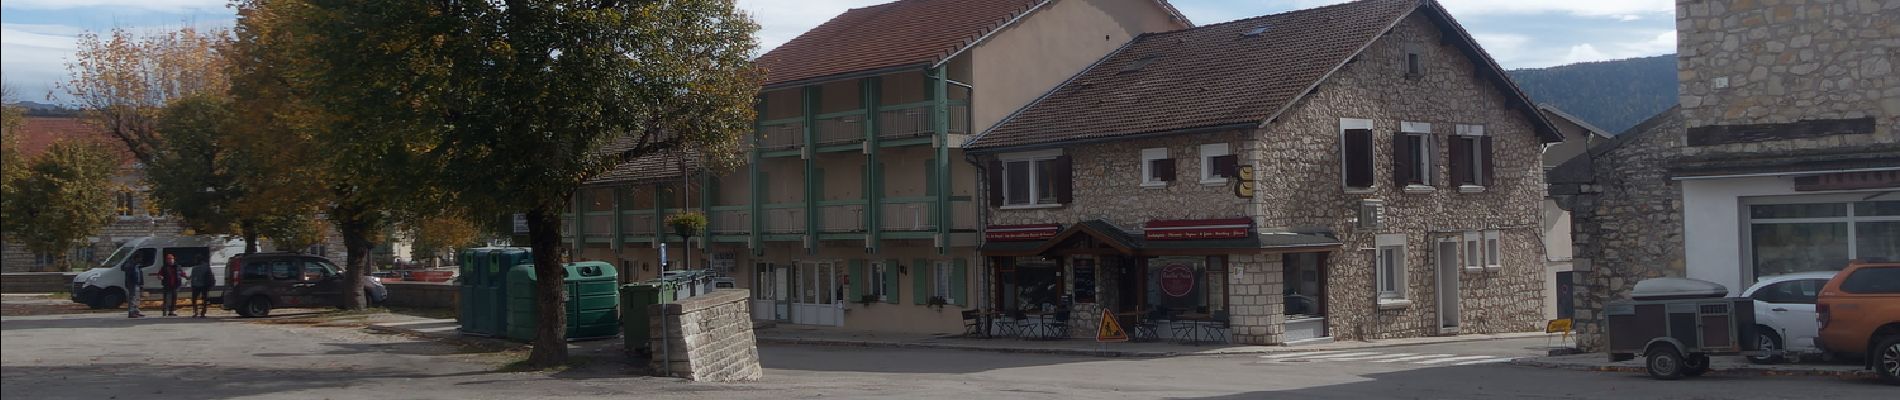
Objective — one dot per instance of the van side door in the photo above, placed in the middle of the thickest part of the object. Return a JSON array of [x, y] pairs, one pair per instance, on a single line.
[[328, 283], [287, 287]]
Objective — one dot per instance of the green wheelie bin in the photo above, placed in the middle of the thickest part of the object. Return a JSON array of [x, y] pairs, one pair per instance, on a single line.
[[592, 302]]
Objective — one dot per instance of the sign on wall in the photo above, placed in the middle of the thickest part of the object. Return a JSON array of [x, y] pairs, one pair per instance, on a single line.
[[1021, 233], [1243, 184], [1230, 228], [1177, 280]]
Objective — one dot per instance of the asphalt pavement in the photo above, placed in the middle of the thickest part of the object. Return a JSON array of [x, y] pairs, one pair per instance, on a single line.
[[106, 356]]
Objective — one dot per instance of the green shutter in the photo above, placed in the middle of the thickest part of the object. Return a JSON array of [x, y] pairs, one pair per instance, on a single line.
[[930, 177], [959, 278], [859, 279], [920, 281], [890, 281]]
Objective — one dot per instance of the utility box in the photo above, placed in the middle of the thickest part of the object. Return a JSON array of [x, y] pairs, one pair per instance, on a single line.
[[592, 302], [635, 324]]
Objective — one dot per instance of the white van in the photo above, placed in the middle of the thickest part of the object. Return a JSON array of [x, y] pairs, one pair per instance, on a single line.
[[103, 285]]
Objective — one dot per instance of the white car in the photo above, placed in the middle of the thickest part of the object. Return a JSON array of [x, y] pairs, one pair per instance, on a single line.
[[1784, 313]]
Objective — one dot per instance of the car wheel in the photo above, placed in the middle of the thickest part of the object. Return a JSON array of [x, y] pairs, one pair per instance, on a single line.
[[1695, 365], [1664, 362], [108, 298], [371, 299], [1887, 360], [256, 306], [1770, 343]]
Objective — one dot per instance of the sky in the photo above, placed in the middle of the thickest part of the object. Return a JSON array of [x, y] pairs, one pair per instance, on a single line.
[[37, 36]]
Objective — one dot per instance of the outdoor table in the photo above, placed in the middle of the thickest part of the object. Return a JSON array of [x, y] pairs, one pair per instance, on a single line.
[[1194, 320]]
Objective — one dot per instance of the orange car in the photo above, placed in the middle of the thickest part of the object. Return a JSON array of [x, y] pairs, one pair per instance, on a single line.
[[1860, 316]]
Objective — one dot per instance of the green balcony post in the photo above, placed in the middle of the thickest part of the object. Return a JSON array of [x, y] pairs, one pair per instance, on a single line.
[[618, 220], [873, 185], [940, 126], [810, 108], [756, 235]]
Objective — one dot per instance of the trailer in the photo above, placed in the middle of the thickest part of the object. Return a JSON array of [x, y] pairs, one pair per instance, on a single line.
[[1676, 324]]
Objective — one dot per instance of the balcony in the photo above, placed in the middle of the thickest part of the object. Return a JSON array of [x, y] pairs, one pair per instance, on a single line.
[[636, 223], [785, 220], [598, 224], [731, 222], [843, 128], [907, 217], [963, 215], [842, 218], [781, 135], [915, 120]]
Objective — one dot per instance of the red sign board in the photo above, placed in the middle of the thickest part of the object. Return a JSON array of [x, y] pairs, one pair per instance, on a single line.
[[1229, 228], [1021, 233], [1848, 181], [1177, 280]]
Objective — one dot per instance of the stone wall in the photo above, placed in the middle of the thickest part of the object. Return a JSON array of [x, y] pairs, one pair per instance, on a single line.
[[36, 282], [422, 294], [1255, 300], [705, 338], [1107, 179], [1783, 61], [1301, 188], [1626, 219]]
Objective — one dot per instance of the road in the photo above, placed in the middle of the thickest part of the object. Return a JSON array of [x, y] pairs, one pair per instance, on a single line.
[[105, 356]]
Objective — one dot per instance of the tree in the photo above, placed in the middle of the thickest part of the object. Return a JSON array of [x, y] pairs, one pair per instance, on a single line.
[[442, 233], [122, 81], [63, 196], [191, 171], [511, 105]]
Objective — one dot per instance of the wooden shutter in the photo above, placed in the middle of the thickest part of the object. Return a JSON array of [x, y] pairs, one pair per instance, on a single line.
[[890, 281], [1487, 161], [1460, 162], [1064, 179], [1226, 166], [1402, 159], [1358, 148], [1163, 169], [995, 178], [959, 281], [860, 279], [920, 282]]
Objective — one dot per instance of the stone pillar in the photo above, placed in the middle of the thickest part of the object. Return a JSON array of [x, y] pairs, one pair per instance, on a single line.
[[705, 338], [1255, 306]]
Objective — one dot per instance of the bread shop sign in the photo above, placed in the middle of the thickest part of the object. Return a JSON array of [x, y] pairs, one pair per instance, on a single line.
[[1021, 233], [1198, 229]]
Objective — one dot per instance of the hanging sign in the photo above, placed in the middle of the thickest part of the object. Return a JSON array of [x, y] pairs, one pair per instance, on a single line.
[[1177, 280], [1243, 184], [1110, 331]]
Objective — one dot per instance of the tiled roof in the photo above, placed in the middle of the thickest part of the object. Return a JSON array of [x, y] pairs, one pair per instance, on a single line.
[[649, 168], [896, 34], [37, 133], [903, 33], [1220, 76]]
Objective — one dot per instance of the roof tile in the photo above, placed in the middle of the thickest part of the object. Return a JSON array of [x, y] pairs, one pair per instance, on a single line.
[[896, 34]]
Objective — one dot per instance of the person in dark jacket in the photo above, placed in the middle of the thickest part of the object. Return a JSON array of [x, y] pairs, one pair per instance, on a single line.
[[170, 277], [201, 281], [134, 282]]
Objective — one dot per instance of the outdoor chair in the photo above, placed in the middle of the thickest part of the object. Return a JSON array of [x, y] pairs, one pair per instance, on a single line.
[[1057, 328], [1146, 325], [973, 323], [1024, 327], [1217, 328]]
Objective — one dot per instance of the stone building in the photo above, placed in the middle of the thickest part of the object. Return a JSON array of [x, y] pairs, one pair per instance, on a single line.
[[1356, 171], [133, 217], [1783, 156], [1579, 137], [852, 208]]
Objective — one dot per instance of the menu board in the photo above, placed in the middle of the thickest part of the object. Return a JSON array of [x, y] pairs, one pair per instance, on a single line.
[[1084, 280]]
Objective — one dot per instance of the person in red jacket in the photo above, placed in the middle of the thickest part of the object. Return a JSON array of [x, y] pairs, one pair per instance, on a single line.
[[170, 276]]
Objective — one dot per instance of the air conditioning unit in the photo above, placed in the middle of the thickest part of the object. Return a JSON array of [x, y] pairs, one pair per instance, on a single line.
[[1371, 214]]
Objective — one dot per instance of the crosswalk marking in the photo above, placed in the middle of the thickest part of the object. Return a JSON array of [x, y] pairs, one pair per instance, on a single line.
[[1372, 357], [1450, 359], [1340, 356], [1490, 361], [1300, 354], [1417, 357]]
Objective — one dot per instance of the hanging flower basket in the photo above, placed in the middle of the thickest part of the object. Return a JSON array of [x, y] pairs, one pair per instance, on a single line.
[[688, 223]]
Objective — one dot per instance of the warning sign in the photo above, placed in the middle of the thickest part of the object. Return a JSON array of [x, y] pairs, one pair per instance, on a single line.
[[1110, 331]]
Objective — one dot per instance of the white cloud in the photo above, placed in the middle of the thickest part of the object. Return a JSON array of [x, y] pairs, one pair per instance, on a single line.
[[36, 56], [1506, 48], [1628, 17], [150, 5], [1660, 43]]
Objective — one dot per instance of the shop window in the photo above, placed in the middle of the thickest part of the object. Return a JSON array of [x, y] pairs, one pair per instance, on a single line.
[[1355, 153], [1156, 168], [1788, 238], [1188, 284], [764, 282], [1030, 180], [1033, 285], [1470, 158], [1305, 287], [1389, 266]]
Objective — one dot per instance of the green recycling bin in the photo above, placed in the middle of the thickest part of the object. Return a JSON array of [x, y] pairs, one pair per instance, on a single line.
[[483, 290], [634, 299], [592, 302]]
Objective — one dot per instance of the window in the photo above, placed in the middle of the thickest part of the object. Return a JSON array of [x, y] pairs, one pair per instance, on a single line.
[[1785, 237], [1872, 281], [1356, 153], [1802, 291], [1030, 179], [1491, 250], [940, 281], [1390, 266], [284, 271], [1156, 168], [765, 282], [879, 281], [1217, 163], [1412, 68], [1470, 162], [1188, 284], [128, 201], [45, 259], [1412, 156], [315, 271], [1473, 243]]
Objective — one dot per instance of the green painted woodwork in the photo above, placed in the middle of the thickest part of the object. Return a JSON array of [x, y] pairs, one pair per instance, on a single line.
[[959, 282], [810, 107], [940, 107], [619, 208], [873, 169], [890, 281], [859, 280], [920, 281]]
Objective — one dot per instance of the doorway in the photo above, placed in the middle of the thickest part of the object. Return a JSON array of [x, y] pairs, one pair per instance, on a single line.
[[1448, 268], [1304, 275], [771, 300], [817, 295]]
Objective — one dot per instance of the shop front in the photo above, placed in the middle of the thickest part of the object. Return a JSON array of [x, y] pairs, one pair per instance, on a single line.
[[1186, 280]]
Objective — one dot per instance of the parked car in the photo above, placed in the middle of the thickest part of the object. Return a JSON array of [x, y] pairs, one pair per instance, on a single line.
[[104, 289], [1785, 316], [1859, 314], [261, 282]]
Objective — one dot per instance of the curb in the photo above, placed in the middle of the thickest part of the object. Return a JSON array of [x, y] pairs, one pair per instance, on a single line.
[[1742, 371], [1084, 352]]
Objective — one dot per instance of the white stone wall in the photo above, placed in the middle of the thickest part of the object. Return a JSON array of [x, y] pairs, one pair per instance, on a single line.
[[705, 338]]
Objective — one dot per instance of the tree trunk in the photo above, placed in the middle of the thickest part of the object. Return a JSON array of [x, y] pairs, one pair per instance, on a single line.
[[550, 339], [250, 236], [355, 227]]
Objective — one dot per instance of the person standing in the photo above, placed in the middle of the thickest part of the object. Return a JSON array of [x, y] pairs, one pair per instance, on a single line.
[[170, 277], [133, 285], [201, 281]]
